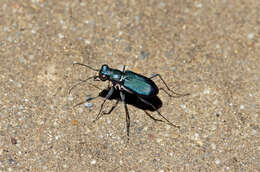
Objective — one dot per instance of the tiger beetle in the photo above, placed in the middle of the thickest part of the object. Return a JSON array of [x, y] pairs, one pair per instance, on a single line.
[[129, 82]]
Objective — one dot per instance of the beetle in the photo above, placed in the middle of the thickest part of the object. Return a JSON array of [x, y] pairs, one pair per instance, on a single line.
[[127, 81]]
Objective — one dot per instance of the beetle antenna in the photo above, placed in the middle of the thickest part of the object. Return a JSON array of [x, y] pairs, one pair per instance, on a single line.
[[85, 66], [80, 82]]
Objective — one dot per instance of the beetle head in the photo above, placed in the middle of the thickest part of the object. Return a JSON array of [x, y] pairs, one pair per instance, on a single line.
[[104, 73]]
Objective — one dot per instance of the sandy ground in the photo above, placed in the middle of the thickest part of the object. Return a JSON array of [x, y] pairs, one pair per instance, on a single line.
[[210, 49]]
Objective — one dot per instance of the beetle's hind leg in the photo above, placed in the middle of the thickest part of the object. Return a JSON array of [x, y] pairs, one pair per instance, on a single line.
[[148, 103], [153, 118], [178, 95]]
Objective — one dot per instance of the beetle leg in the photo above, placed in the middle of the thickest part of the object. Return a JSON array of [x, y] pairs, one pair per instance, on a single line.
[[122, 95], [112, 108], [101, 107], [153, 118], [155, 75], [146, 102], [124, 69]]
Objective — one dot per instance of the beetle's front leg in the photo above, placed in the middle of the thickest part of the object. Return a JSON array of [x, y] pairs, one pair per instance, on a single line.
[[122, 95], [112, 108], [107, 97]]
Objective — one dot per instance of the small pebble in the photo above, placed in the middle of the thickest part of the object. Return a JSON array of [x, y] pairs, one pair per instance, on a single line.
[[9, 38], [55, 123], [33, 31], [196, 136], [13, 141], [52, 107], [213, 146], [93, 162], [213, 127], [198, 5], [31, 57], [206, 91], [217, 161], [158, 140], [253, 132], [87, 42], [250, 36], [5, 28], [11, 161], [19, 85], [70, 98], [183, 106], [60, 35], [75, 122], [88, 105]]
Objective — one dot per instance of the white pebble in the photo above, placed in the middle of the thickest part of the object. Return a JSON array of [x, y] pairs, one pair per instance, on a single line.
[[213, 127], [9, 38], [183, 106], [206, 91], [158, 140], [88, 104], [253, 132], [196, 136], [87, 42], [31, 57], [60, 35], [250, 36], [33, 31], [213, 146], [217, 161], [198, 5], [70, 98], [93, 162], [5, 28]]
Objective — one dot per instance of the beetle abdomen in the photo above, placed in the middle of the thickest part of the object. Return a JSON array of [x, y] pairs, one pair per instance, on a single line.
[[140, 85]]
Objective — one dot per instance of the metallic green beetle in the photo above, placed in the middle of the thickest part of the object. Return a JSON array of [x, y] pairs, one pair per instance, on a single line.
[[143, 87]]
